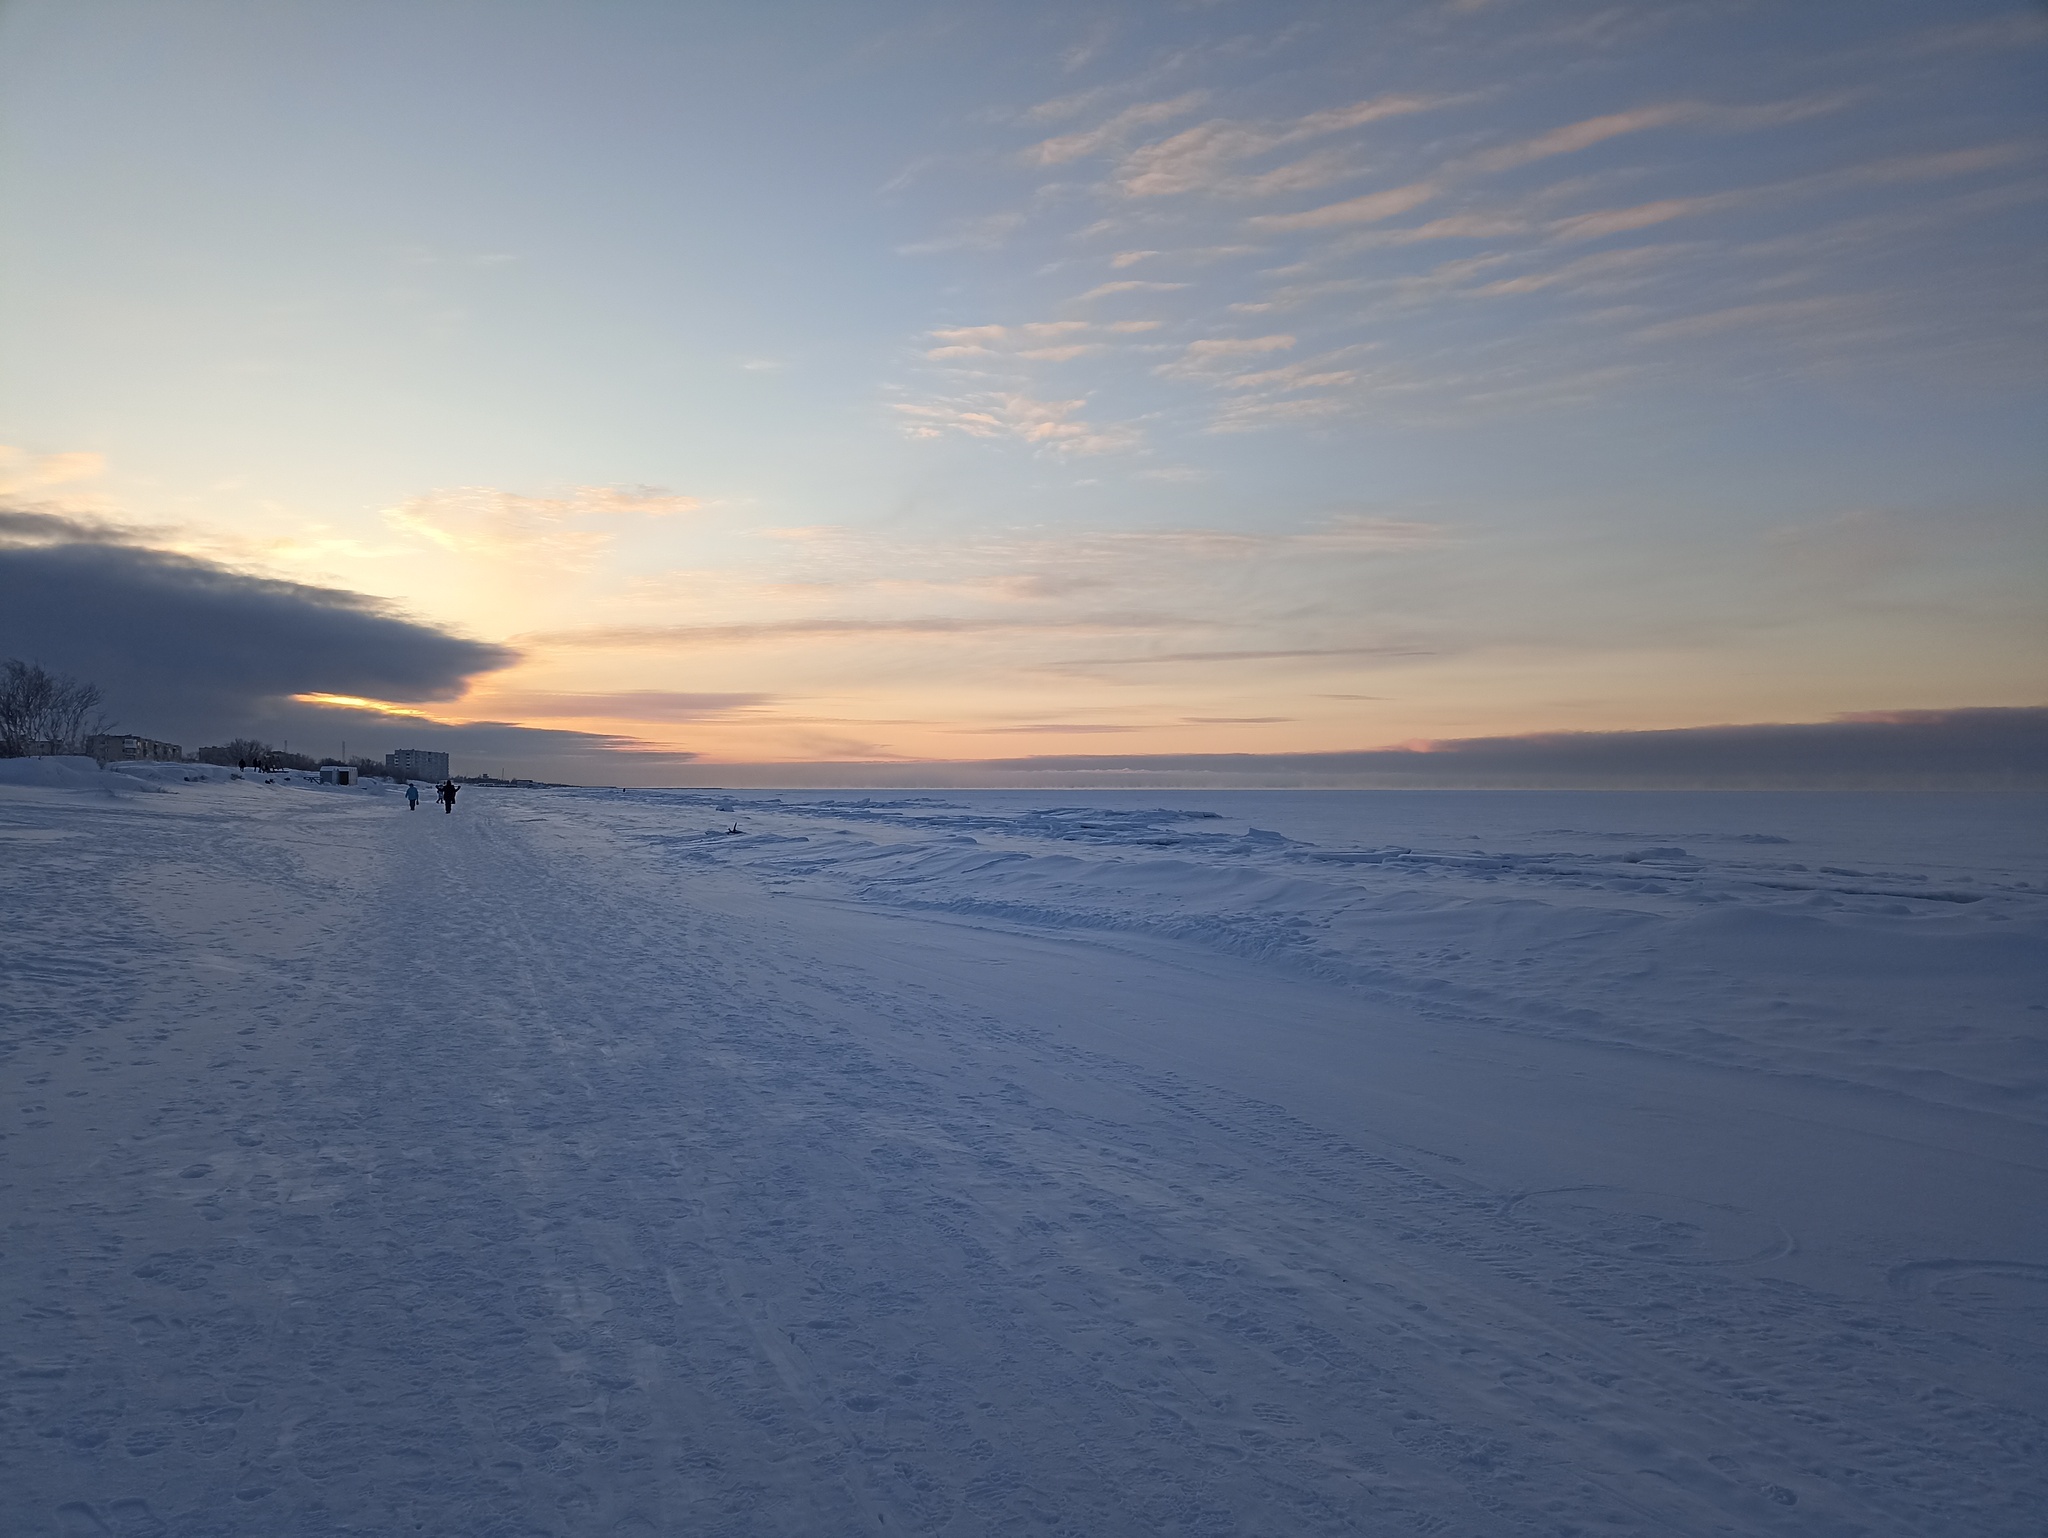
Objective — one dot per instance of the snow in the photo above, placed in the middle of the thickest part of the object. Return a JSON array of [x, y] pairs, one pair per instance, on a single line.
[[1092, 1163], [1716, 934], [64, 772]]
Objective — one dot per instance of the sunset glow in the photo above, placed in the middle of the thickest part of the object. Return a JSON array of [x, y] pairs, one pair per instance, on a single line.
[[1136, 382]]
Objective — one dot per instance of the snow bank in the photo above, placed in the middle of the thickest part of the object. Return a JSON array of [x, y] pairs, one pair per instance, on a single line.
[[66, 772], [158, 773], [146, 776], [1902, 947], [163, 774]]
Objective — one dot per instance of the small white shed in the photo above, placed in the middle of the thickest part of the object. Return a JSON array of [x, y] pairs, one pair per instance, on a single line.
[[337, 774]]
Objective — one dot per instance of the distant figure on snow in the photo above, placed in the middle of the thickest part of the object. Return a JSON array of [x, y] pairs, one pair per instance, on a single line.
[[447, 795], [412, 796]]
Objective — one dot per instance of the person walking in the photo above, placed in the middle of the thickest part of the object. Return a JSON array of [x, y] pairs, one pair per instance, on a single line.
[[447, 794], [412, 796]]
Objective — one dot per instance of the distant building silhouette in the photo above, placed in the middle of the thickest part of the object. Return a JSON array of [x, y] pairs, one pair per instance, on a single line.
[[418, 764], [109, 746]]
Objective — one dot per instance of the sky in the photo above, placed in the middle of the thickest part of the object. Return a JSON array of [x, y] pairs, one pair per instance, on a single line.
[[651, 392]]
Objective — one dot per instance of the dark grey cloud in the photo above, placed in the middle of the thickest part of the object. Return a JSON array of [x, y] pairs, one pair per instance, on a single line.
[[191, 650], [498, 747], [1988, 747]]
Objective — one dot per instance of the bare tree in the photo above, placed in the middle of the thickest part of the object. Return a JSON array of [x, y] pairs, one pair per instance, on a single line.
[[45, 712], [243, 752], [248, 752]]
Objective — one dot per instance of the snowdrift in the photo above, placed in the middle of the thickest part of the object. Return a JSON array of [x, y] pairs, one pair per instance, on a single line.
[[67, 772], [1886, 939]]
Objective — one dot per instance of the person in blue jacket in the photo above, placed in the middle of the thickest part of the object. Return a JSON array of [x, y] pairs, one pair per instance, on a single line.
[[412, 796]]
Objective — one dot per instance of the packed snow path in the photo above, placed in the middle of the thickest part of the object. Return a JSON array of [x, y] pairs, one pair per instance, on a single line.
[[380, 1172]]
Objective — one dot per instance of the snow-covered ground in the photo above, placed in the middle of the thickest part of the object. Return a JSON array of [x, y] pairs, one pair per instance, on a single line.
[[1262, 1163]]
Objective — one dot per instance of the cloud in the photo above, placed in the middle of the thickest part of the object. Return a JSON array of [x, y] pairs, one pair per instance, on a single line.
[[1293, 377], [1359, 534], [1078, 146], [1618, 221], [983, 234], [1603, 267], [1045, 341], [640, 501], [188, 648], [1250, 654], [1022, 418], [1587, 132], [1930, 167], [1205, 255], [1252, 415], [1352, 534], [1452, 227], [553, 531], [1197, 159], [1261, 391], [1982, 747], [1062, 107], [692, 636], [1737, 317], [1368, 209], [2013, 31], [1127, 286], [1212, 355], [34, 526], [1061, 354], [1072, 728], [1906, 168], [1580, 136], [192, 651], [21, 471], [1088, 47], [1033, 567], [502, 747], [1583, 134], [988, 338], [624, 705]]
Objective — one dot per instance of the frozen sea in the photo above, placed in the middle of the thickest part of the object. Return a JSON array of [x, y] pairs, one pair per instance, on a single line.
[[1091, 1163]]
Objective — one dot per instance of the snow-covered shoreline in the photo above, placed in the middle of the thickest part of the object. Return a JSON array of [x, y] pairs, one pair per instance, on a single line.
[[1721, 925], [988, 1164]]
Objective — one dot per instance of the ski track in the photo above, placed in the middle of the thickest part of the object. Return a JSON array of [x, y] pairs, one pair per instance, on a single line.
[[375, 1172]]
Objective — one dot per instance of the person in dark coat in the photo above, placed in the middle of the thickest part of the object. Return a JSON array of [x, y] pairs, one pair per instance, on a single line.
[[447, 794]]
